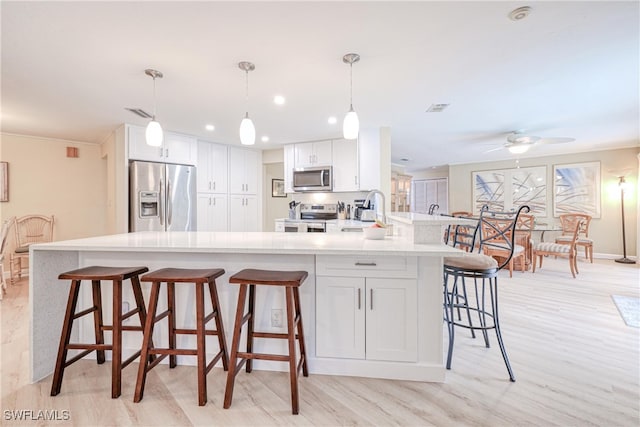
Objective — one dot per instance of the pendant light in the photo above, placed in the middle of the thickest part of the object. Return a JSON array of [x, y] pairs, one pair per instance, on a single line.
[[351, 124], [247, 129], [153, 134]]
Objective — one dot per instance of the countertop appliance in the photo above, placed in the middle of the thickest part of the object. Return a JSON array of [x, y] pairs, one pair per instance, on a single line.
[[360, 208], [313, 179], [313, 218], [162, 197]]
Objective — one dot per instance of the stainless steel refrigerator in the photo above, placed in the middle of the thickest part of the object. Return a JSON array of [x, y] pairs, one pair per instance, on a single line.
[[162, 197]]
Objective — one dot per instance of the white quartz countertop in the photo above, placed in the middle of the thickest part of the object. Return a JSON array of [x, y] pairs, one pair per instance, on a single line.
[[254, 242], [414, 218]]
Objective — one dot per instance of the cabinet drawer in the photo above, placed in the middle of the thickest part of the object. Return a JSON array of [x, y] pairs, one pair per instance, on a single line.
[[369, 266]]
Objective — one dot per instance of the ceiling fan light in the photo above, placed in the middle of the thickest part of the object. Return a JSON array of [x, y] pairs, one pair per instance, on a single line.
[[518, 148], [247, 131], [154, 134], [350, 125]]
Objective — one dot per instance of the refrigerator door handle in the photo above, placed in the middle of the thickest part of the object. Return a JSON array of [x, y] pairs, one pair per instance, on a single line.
[[161, 202], [169, 204]]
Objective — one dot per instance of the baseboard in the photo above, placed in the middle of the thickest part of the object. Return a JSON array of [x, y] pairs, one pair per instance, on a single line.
[[599, 255]]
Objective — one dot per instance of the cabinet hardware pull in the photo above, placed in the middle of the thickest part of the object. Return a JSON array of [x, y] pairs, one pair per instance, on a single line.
[[214, 185], [209, 185], [166, 152], [366, 264], [161, 152], [209, 201], [371, 298], [359, 298]]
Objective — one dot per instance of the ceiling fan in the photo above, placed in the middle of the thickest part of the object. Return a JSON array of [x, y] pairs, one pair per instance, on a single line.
[[518, 142]]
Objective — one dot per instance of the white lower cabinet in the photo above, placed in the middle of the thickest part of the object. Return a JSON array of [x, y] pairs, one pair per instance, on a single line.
[[243, 213], [373, 318], [212, 212]]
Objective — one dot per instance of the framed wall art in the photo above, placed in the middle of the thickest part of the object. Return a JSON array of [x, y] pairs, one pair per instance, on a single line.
[[277, 188], [508, 189], [4, 182], [576, 188]]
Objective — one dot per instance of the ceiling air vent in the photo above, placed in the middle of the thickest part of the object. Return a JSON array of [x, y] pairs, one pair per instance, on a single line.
[[437, 108], [140, 112]]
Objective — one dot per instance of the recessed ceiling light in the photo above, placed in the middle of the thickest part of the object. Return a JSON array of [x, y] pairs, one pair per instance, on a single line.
[[278, 100], [210, 128], [519, 13], [265, 138], [332, 120]]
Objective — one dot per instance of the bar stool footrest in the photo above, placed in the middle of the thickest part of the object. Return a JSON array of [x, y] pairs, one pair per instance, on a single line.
[[131, 359], [84, 312], [265, 356]]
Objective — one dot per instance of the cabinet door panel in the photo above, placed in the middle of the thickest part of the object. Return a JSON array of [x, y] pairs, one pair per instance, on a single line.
[[289, 164], [218, 168], [204, 167], [322, 151], [392, 312], [345, 165], [340, 317], [179, 148], [138, 148], [236, 170], [304, 154], [251, 214], [251, 168], [203, 212]]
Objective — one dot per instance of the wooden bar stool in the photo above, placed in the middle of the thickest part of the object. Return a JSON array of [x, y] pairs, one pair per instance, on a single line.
[[96, 274], [291, 281], [171, 276]]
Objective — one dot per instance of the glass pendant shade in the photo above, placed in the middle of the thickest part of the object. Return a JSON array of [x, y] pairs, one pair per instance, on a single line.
[[154, 134], [351, 125], [247, 131], [519, 148]]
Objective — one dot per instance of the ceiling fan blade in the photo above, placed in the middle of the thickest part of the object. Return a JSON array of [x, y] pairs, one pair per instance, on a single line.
[[494, 149], [555, 140]]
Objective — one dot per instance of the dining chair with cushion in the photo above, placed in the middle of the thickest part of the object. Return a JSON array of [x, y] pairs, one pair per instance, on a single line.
[[524, 238], [568, 249], [29, 229], [568, 222], [6, 225]]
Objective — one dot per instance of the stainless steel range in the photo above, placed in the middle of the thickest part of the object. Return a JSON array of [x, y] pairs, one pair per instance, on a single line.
[[313, 218]]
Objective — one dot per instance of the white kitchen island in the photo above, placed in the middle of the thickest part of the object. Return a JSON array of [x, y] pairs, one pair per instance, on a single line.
[[370, 308]]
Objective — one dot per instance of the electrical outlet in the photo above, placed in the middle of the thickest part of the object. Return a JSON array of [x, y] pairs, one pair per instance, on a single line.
[[276, 317]]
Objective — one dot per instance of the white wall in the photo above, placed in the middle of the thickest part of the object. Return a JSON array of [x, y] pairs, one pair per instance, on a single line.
[[606, 230], [42, 180]]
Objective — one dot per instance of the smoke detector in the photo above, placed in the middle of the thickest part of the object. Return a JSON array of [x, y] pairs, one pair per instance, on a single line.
[[519, 13]]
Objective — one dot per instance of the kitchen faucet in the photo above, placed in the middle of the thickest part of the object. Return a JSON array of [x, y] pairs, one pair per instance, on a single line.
[[367, 203]]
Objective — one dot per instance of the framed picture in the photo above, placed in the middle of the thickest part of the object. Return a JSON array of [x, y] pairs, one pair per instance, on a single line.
[[576, 188], [4, 182], [277, 188], [508, 189]]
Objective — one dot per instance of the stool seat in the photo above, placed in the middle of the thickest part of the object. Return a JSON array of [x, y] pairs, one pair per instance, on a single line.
[[183, 275], [96, 274], [290, 281], [200, 278], [103, 273], [269, 277]]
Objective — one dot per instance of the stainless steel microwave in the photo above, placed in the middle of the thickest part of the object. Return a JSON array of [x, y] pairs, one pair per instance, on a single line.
[[313, 179]]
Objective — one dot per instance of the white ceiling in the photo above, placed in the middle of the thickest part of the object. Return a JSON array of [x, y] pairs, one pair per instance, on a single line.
[[571, 69]]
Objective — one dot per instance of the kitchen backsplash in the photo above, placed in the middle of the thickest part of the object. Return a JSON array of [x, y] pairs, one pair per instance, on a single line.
[[325, 198]]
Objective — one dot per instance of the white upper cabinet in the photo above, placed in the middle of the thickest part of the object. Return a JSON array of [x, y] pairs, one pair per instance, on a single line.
[[345, 165], [289, 164], [244, 166], [176, 148], [310, 154], [212, 167]]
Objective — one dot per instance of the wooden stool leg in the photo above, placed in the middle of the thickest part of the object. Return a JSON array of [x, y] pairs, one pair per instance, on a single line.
[[64, 337], [293, 371], [116, 353], [222, 340], [171, 306], [201, 346], [303, 351], [250, 323], [146, 342], [97, 319], [235, 344], [142, 311]]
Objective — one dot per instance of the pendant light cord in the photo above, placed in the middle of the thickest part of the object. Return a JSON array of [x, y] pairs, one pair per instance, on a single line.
[[351, 86], [247, 93], [154, 99]]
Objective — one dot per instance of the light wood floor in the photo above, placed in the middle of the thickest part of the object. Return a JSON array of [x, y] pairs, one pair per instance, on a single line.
[[575, 361]]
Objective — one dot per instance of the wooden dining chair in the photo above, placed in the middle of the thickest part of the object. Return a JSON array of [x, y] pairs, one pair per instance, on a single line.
[[568, 222], [540, 250], [6, 225], [497, 235], [29, 229]]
